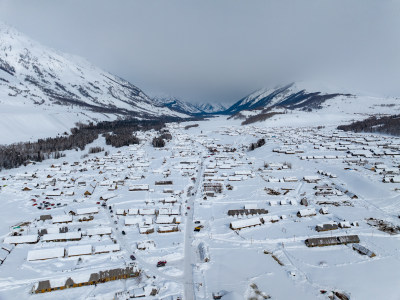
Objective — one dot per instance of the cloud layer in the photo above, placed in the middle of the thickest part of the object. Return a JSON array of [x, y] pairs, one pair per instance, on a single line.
[[221, 50]]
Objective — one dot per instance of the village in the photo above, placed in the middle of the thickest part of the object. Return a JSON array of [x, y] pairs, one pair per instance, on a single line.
[[309, 213]]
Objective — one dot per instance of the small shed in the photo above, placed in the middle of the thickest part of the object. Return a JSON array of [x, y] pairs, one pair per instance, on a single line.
[[45, 217], [363, 250], [304, 201]]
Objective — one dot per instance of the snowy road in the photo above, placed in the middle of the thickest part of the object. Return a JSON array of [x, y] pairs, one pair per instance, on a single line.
[[189, 251]]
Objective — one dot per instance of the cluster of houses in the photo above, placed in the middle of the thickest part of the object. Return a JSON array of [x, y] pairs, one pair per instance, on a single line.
[[98, 205], [322, 189], [84, 216]]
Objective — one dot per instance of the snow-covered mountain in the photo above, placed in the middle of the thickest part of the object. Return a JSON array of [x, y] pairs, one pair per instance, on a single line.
[[190, 108], [293, 95], [41, 82], [308, 101], [211, 108], [179, 105]]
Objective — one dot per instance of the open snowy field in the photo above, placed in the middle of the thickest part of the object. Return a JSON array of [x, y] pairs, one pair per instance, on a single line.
[[311, 214]]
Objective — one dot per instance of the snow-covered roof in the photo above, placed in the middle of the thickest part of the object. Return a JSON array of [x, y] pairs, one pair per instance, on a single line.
[[87, 210], [165, 220], [133, 211], [169, 211], [245, 223], [311, 178], [147, 211], [141, 187], [21, 239], [62, 218], [62, 236], [46, 254], [98, 231], [132, 220], [243, 172], [80, 250], [107, 248], [250, 206], [53, 193], [307, 212]]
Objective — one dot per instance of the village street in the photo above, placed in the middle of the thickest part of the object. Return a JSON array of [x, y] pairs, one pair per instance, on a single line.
[[189, 249]]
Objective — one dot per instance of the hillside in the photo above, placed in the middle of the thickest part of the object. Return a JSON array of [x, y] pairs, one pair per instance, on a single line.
[[43, 91], [290, 96]]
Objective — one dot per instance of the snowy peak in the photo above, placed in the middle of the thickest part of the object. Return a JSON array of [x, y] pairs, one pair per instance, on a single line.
[[31, 74], [211, 108]]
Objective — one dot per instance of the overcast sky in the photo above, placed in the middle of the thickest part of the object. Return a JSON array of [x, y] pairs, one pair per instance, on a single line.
[[220, 50]]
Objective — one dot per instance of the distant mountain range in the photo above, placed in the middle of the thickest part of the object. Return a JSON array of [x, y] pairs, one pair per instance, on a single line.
[[44, 92], [290, 96], [191, 108]]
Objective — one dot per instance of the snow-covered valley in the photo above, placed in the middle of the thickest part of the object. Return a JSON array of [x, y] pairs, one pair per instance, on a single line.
[[107, 192]]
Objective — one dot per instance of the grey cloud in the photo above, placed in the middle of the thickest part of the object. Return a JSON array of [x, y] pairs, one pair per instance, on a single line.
[[221, 50]]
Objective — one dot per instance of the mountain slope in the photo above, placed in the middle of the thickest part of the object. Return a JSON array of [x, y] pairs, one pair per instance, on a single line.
[[45, 77], [41, 86], [290, 96]]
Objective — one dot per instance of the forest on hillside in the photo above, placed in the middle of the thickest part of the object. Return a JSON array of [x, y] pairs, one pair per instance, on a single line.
[[385, 124], [117, 134]]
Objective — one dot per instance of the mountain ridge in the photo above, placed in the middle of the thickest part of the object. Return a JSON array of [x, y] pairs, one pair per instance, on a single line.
[[45, 76], [190, 108]]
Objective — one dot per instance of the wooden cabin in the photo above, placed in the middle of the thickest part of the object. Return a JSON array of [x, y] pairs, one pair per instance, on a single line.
[[326, 227], [91, 279], [331, 241]]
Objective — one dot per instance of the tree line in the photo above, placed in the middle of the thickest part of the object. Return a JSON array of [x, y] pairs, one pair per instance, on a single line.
[[117, 133], [386, 124]]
